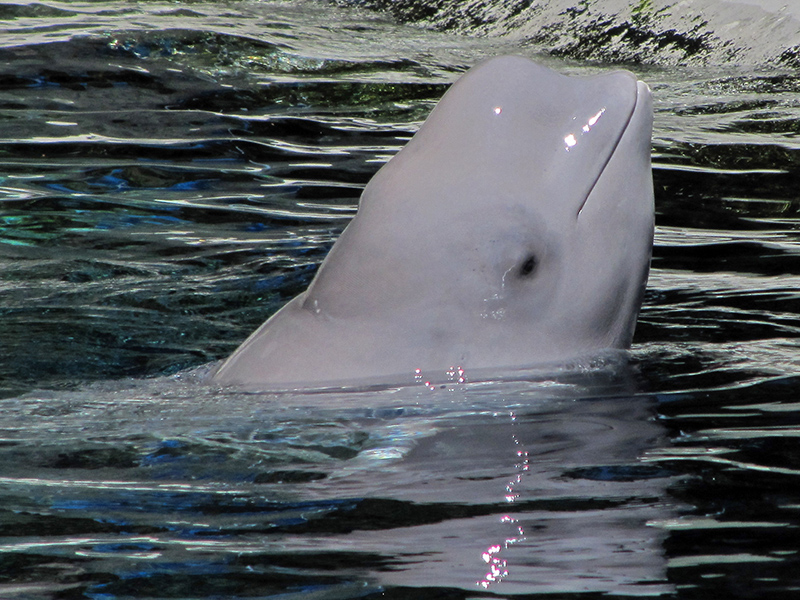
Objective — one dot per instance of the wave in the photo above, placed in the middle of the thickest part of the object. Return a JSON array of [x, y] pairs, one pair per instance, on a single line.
[[657, 32]]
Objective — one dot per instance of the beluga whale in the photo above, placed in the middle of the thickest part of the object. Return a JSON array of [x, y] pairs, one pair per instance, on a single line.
[[514, 229]]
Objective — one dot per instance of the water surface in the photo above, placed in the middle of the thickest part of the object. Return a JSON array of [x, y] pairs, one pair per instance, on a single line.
[[172, 174]]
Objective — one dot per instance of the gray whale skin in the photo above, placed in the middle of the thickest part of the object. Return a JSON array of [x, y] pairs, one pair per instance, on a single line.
[[514, 229]]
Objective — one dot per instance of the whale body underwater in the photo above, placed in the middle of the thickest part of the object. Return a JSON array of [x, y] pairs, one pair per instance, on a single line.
[[514, 229]]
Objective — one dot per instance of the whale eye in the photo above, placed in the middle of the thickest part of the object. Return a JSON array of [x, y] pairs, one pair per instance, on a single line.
[[528, 266]]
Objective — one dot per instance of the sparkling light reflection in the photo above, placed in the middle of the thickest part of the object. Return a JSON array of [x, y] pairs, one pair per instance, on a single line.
[[570, 140], [590, 123], [454, 374], [498, 566]]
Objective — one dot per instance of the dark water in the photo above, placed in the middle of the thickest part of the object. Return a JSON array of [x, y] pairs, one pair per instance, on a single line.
[[173, 173]]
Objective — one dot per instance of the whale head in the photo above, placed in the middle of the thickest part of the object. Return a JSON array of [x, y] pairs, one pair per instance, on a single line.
[[514, 229]]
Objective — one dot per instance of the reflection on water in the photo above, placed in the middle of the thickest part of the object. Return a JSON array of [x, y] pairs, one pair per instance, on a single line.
[[171, 175], [557, 495], [480, 486], [495, 555]]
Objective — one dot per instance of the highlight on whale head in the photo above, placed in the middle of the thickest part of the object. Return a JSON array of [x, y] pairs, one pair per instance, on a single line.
[[514, 229]]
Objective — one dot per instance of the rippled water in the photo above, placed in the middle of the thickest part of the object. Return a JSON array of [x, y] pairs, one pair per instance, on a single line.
[[173, 173]]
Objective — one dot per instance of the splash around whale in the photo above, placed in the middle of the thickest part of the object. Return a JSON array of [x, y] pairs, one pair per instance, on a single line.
[[514, 229]]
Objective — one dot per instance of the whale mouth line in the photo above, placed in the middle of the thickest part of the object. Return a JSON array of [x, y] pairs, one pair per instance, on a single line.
[[602, 169]]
